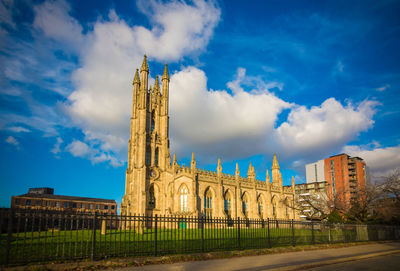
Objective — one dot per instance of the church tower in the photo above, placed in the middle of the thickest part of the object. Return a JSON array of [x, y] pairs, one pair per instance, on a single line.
[[148, 154]]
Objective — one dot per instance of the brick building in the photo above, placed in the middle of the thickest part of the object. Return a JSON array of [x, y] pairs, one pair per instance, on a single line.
[[346, 177], [44, 199]]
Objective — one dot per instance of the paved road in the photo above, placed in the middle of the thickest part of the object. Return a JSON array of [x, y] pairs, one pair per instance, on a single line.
[[304, 260], [387, 263]]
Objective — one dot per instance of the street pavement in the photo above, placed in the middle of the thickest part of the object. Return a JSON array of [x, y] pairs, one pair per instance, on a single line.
[[386, 263], [302, 260]]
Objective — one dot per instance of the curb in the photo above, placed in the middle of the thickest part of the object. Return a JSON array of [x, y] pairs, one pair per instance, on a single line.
[[335, 261]]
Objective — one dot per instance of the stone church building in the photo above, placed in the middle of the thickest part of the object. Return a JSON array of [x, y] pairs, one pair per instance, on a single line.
[[154, 185]]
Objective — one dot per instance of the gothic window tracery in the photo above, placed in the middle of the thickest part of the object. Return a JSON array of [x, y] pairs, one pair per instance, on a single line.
[[183, 195], [152, 198], [148, 156], [227, 204], [260, 206], [156, 157], [245, 205], [208, 203]]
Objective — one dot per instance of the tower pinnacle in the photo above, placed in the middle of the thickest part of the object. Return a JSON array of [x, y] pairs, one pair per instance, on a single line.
[[136, 79], [156, 86], [275, 164], [145, 66], [165, 74]]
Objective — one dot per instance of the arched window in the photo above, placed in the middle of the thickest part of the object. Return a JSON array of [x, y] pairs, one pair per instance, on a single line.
[[286, 208], [148, 156], [183, 195], [260, 206], [156, 157], [245, 205], [274, 207], [152, 125], [227, 203], [152, 198], [208, 203]]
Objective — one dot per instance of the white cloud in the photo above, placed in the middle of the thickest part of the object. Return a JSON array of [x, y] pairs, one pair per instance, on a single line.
[[78, 148], [18, 129], [56, 149], [52, 17], [323, 128], [380, 160], [13, 141], [177, 28], [101, 102], [217, 123], [383, 88]]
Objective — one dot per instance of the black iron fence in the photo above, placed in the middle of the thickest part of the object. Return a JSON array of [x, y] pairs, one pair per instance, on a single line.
[[34, 236]]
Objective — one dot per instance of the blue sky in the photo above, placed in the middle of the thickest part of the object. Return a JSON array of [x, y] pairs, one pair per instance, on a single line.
[[303, 79]]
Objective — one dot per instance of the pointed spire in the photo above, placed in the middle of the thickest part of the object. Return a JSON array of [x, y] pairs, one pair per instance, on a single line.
[[136, 80], [193, 162], [250, 172], [156, 86], [267, 177], [237, 172], [275, 164], [174, 161], [293, 181], [145, 66], [219, 167], [165, 74]]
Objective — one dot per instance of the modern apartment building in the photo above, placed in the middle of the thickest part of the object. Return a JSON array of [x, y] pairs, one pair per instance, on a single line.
[[44, 199], [346, 177]]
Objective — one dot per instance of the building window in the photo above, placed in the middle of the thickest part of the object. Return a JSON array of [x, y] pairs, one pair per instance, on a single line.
[[48, 203], [28, 202], [156, 157], [112, 207], [208, 203], [227, 204], [97, 206], [83, 205], [274, 208], [66, 204], [260, 206], [74, 205], [148, 156], [90, 206], [17, 201], [245, 206], [39, 203], [152, 198], [333, 178], [57, 204], [183, 193], [152, 123], [105, 207]]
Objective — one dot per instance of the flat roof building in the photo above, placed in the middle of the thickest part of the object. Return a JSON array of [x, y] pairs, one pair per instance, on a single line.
[[43, 198]]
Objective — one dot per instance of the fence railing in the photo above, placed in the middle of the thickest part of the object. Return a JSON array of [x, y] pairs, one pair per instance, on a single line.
[[34, 236]]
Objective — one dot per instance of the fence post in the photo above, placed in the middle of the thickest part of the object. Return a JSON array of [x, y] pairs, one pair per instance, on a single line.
[[94, 237], [312, 233], [344, 234], [293, 240], [9, 235], [239, 232], [202, 232], [155, 235], [269, 238]]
